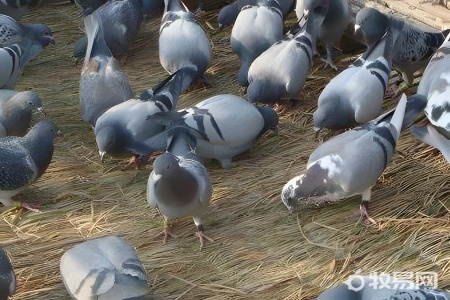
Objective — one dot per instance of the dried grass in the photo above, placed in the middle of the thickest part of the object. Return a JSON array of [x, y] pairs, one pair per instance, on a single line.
[[259, 251]]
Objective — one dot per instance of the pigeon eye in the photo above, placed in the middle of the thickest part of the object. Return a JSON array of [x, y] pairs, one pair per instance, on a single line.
[[30, 103]]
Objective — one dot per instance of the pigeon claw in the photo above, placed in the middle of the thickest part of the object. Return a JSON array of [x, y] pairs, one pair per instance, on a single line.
[[202, 236], [364, 213], [29, 206], [167, 233]]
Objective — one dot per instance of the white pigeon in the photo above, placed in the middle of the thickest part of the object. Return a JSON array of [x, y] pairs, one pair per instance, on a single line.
[[104, 268], [348, 164]]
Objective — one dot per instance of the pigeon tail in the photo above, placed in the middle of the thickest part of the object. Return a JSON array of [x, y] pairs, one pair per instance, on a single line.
[[429, 135], [397, 118], [96, 42], [175, 5]]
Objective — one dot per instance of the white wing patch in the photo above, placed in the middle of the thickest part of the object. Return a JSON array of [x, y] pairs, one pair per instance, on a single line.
[[332, 163]]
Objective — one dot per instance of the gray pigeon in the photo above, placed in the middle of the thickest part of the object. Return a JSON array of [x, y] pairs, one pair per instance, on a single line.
[[123, 130], [104, 268], [120, 21], [179, 185], [414, 47], [381, 287], [282, 69], [228, 125], [435, 85], [7, 276], [228, 14], [179, 27], [337, 19], [103, 84], [356, 94], [340, 168], [16, 9], [24, 160], [15, 113], [256, 28], [12, 32]]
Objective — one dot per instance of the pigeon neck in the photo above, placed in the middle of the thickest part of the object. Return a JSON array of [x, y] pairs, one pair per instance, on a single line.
[[182, 144]]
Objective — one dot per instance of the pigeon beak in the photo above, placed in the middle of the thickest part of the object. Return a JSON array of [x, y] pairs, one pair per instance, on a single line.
[[59, 133], [41, 110], [305, 13], [357, 28], [317, 130], [77, 60]]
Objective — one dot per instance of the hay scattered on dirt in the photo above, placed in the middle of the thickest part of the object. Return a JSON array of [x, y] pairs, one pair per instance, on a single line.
[[259, 251]]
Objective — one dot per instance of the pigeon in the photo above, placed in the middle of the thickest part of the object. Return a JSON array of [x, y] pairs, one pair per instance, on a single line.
[[222, 139], [80, 48], [121, 21], [348, 164], [228, 14], [104, 268], [256, 28], [382, 287], [12, 32], [17, 9], [356, 94], [103, 84], [7, 276], [24, 160], [414, 47], [123, 130], [282, 69], [15, 113], [179, 185], [337, 19], [179, 27], [435, 86]]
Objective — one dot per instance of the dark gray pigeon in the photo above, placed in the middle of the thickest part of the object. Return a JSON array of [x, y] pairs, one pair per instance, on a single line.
[[179, 185], [15, 113], [180, 27], [120, 21], [413, 48], [337, 19], [381, 287], [105, 268], [103, 84], [221, 139], [7, 276], [256, 28], [123, 130], [24, 160], [281, 71], [341, 168], [355, 95], [12, 32], [16, 9], [435, 86]]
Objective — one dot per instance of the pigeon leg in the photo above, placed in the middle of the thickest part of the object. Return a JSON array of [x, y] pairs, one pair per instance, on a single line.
[[329, 60], [141, 161], [131, 161], [166, 232], [364, 208], [201, 235]]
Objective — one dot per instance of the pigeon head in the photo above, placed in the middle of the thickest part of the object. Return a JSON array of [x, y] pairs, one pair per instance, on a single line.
[[270, 118], [227, 15], [80, 48], [33, 101], [166, 163], [42, 33], [370, 25], [331, 115], [315, 13], [315, 185], [109, 141]]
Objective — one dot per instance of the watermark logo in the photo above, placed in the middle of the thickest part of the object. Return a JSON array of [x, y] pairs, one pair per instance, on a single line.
[[394, 281]]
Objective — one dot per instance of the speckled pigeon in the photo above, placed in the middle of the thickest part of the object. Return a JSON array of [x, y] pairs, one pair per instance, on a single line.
[[7, 276], [413, 48], [12, 32], [105, 268], [103, 84], [23, 160], [179, 185]]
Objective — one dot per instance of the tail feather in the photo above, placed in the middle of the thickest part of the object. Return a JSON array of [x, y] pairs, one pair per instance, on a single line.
[[96, 42], [397, 118]]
